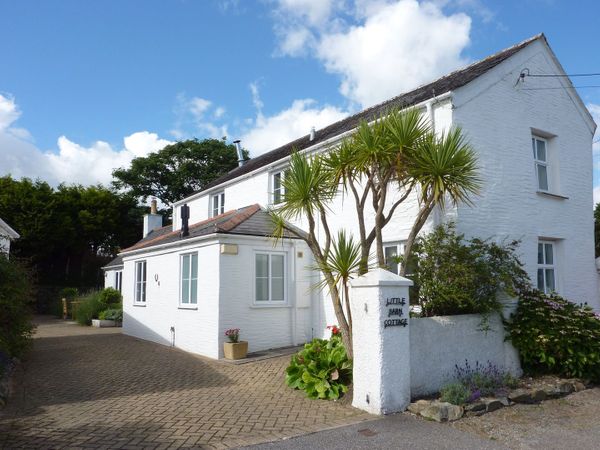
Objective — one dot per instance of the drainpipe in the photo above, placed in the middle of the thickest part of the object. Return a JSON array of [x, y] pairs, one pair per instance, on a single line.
[[295, 302]]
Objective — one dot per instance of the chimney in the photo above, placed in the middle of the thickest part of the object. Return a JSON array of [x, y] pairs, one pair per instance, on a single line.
[[312, 134], [185, 217], [153, 220], [240, 154]]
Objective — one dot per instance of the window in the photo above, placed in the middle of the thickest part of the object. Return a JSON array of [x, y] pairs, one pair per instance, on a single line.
[[118, 280], [218, 204], [392, 252], [540, 156], [277, 188], [269, 273], [546, 276], [140, 282], [189, 279]]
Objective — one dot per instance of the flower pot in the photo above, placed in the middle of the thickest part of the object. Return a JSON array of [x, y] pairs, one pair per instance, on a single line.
[[103, 323], [237, 350]]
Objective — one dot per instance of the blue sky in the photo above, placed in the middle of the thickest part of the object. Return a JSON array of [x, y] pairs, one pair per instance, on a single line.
[[86, 86]]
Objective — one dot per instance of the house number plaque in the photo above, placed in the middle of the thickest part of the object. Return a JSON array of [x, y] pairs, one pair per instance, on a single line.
[[395, 309]]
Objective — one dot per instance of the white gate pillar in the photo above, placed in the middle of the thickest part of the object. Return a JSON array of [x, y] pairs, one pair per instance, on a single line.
[[380, 339]]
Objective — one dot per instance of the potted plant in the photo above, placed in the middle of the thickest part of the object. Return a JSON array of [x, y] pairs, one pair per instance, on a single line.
[[234, 349]]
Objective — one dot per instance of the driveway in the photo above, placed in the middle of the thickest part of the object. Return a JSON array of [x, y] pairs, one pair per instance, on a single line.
[[97, 388]]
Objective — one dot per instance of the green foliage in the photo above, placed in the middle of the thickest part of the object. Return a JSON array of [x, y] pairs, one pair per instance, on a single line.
[[455, 393], [15, 308], [177, 170], [111, 314], [322, 369], [68, 293], [454, 275], [89, 308], [110, 295], [554, 335]]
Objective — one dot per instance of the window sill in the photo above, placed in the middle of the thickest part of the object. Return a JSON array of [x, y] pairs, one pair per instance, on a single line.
[[192, 308], [271, 305], [549, 194], [143, 305]]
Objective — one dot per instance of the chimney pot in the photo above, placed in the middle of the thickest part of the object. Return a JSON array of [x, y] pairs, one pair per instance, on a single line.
[[312, 134], [153, 208], [240, 154]]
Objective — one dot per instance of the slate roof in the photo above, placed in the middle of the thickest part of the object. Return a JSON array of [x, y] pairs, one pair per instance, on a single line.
[[447, 83], [115, 263], [249, 221]]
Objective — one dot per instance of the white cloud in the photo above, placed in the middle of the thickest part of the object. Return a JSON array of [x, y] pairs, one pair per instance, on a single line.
[[596, 195], [378, 49], [198, 117], [73, 163]]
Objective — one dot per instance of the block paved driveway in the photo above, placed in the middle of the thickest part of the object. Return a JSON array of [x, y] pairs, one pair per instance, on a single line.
[[97, 388]]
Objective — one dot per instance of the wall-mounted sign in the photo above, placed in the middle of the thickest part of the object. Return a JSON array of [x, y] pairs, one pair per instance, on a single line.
[[397, 310]]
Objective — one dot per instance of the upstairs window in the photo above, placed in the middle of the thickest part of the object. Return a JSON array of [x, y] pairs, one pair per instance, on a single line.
[[140, 282], [546, 273], [189, 279], [540, 157], [218, 204], [277, 188]]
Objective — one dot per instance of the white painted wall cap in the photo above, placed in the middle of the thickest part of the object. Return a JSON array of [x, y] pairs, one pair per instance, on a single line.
[[380, 277]]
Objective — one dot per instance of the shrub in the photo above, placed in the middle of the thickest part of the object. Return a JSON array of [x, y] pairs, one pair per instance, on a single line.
[[322, 369], [556, 336], [111, 314], [110, 296], [16, 327], [455, 393], [89, 308], [484, 380], [454, 275], [69, 294]]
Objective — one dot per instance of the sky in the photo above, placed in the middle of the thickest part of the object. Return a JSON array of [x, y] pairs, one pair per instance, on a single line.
[[87, 86]]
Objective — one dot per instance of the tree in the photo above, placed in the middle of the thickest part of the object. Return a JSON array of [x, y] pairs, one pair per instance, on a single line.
[[384, 162], [177, 170]]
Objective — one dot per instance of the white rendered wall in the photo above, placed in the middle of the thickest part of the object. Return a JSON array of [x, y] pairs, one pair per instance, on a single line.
[[437, 344], [4, 244], [110, 278], [196, 331], [498, 120], [270, 326]]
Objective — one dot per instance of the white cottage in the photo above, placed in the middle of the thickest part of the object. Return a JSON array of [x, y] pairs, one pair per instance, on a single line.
[[185, 285], [7, 234]]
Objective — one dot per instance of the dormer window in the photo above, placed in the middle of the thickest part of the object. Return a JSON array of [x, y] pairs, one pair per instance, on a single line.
[[218, 204]]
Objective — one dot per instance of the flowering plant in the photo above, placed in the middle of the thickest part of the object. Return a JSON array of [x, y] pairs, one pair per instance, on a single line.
[[335, 331], [233, 334]]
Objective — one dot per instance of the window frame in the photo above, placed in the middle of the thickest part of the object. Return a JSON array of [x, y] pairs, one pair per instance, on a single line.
[[270, 301], [280, 190], [399, 252], [119, 280], [219, 208], [539, 162], [189, 304], [143, 298], [544, 266]]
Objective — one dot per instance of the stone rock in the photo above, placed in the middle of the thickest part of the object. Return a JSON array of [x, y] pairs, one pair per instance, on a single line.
[[442, 412], [565, 387], [504, 400], [493, 405], [538, 395], [579, 386], [418, 406], [475, 407], [520, 396]]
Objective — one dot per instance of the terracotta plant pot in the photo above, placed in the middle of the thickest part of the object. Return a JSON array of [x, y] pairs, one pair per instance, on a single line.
[[237, 350]]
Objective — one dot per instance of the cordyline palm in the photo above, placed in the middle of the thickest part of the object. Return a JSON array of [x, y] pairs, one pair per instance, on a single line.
[[444, 169]]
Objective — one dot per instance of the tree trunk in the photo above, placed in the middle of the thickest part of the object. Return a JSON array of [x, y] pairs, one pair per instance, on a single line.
[[417, 225]]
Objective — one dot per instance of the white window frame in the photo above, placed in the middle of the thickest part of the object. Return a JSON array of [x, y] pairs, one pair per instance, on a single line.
[[270, 301], [281, 190], [140, 287], [119, 280], [189, 304], [219, 208], [399, 252], [539, 162], [544, 266]]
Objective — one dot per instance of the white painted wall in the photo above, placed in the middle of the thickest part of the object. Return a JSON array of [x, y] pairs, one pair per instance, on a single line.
[[196, 330], [4, 244], [498, 119], [437, 344], [110, 277]]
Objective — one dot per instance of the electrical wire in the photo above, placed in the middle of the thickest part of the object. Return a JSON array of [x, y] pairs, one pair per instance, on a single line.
[[561, 87], [597, 74]]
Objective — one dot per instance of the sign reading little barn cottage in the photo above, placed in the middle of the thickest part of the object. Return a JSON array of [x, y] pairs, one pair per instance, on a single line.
[[395, 307]]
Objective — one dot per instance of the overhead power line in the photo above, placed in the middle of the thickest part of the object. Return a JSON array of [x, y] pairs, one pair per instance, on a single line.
[[561, 87]]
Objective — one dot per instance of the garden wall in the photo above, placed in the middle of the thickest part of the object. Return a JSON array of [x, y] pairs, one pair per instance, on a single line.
[[437, 344]]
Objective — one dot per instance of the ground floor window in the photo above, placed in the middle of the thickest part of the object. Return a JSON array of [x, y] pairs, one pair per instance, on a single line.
[[119, 280], [140, 282], [269, 277], [189, 279], [392, 252], [546, 272]]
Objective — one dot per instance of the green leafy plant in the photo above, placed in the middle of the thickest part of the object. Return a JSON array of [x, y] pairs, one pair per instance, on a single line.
[[554, 335], [111, 314], [322, 369], [454, 275], [90, 306], [110, 296], [455, 393]]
